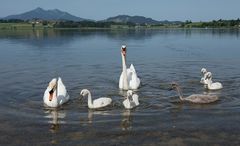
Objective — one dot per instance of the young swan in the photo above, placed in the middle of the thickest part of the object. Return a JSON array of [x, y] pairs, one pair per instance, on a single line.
[[209, 83], [97, 103], [204, 74], [194, 98], [131, 100]]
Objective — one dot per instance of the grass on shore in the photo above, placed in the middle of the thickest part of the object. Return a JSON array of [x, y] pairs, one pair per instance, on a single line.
[[20, 26]]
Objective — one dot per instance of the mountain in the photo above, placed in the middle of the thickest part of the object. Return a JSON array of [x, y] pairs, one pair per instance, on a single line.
[[40, 13], [58, 15], [139, 20], [132, 19]]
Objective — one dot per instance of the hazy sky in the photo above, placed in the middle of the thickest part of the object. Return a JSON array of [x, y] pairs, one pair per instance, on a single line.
[[195, 10]]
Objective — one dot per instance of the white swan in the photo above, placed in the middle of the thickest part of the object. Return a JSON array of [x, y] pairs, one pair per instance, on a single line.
[[56, 93], [97, 103], [128, 79], [209, 83], [194, 98], [131, 100], [204, 74]]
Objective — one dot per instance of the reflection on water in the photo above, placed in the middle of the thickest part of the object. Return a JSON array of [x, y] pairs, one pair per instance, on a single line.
[[41, 38], [91, 59], [126, 123], [55, 118]]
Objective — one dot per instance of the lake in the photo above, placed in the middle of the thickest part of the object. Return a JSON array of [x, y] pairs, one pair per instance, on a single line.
[[91, 59]]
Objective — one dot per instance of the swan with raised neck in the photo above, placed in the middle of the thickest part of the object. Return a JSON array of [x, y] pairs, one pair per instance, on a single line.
[[128, 79]]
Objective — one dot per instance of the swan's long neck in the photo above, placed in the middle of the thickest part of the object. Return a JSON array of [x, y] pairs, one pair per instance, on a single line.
[[179, 91], [124, 69], [90, 104]]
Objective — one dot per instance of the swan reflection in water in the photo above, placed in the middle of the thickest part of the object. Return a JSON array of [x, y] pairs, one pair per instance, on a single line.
[[92, 113], [55, 118], [126, 123]]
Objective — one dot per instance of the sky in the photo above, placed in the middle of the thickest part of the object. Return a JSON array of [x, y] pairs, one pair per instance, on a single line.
[[179, 10]]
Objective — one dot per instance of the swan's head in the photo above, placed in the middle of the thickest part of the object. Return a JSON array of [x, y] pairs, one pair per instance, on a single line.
[[52, 86], [203, 71], [84, 92], [209, 75], [129, 93], [124, 50]]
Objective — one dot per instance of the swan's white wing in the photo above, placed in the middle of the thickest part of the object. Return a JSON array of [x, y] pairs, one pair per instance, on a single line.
[[129, 104], [62, 92], [132, 79], [134, 83], [129, 75], [215, 86], [61, 88], [101, 102], [126, 103], [199, 98], [135, 99], [132, 68]]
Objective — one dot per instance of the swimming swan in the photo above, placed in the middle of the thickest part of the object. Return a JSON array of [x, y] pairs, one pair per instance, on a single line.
[[194, 98], [209, 83], [56, 93], [204, 74], [97, 103], [131, 100], [128, 79]]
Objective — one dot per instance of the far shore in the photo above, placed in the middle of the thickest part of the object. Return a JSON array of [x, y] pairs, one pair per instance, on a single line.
[[115, 26], [15, 28]]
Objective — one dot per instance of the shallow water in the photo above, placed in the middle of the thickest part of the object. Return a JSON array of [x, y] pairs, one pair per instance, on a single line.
[[91, 59]]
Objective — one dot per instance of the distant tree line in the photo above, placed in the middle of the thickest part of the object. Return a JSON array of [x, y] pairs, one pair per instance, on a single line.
[[11, 21], [222, 23], [213, 24], [72, 24], [103, 24]]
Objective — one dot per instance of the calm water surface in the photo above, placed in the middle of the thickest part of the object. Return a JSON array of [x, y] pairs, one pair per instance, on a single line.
[[91, 59]]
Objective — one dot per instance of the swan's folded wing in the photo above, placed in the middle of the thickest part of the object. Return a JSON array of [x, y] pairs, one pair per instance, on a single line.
[[134, 83], [132, 68], [126, 103], [101, 102], [61, 89], [135, 99]]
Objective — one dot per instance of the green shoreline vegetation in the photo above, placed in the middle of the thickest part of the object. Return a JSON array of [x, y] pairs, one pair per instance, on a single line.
[[16, 24]]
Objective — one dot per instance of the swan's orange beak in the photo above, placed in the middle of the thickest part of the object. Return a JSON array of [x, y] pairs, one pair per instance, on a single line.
[[51, 95], [124, 51]]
